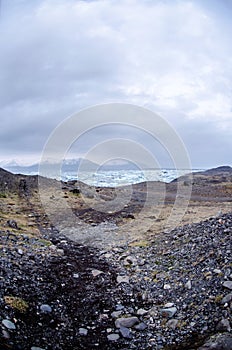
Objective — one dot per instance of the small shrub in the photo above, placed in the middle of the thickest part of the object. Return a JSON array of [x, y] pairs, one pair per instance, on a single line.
[[16, 303]]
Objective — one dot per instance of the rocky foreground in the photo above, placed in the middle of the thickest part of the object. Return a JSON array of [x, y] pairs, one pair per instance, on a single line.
[[172, 294], [172, 291]]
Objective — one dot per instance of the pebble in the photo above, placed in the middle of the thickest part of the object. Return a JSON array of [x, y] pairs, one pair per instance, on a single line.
[[130, 260], [227, 298], [108, 255], [123, 279], [167, 305], [96, 273], [5, 334], [113, 337], [188, 285], [125, 332], [126, 321], [8, 324], [116, 314], [172, 323], [119, 307], [167, 286], [227, 284], [169, 312], [20, 251], [142, 312], [12, 224], [45, 308], [83, 331], [141, 326]]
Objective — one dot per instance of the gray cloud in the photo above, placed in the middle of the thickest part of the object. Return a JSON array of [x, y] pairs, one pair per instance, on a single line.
[[173, 57]]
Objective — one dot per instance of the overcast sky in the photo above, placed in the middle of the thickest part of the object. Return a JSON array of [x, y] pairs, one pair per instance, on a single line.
[[172, 57]]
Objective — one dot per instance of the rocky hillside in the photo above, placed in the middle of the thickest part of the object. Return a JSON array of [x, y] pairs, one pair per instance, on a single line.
[[16, 182]]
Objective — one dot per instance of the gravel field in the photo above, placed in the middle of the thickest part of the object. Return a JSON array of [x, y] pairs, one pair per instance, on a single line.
[[171, 294]]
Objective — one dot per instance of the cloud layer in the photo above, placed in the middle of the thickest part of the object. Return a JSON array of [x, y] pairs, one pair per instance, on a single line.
[[173, 57]]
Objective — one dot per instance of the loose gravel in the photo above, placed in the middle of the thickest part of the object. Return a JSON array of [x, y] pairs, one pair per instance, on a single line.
[[173, 293]]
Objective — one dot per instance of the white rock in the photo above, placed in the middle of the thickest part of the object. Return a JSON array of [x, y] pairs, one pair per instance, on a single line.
[[8, 324], [83, 331], [20, 251], [188, 285], [142, 312], [169, 312], [167, 286], [123, 279], [96, 273]]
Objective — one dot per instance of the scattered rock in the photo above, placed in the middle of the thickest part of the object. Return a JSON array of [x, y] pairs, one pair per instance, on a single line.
[[169, 312], [125, 332], [167, 305], [123, 279], [141, 326], [142, 312], [20, 251], [227, 298], [45, 308], [167, 286], [63, 276], [227, 284], [83, 331], [223, 325], [12, 224], [116, 314], [113, 337], [172, 323], [5, 334], [96, 273], [188, 285], [126, 322], [8, 324]]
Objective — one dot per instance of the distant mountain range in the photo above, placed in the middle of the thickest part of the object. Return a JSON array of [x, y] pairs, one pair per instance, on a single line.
[[70, 166]]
